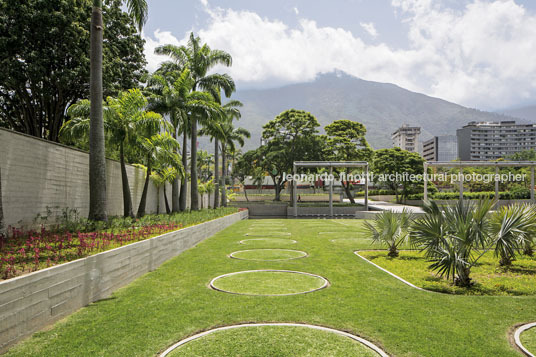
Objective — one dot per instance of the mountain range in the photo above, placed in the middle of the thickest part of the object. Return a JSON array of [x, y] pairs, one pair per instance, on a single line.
[[381, 107]]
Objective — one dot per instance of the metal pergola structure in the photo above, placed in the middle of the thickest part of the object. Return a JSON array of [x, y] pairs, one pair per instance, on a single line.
[[330, 165], [496, 164]]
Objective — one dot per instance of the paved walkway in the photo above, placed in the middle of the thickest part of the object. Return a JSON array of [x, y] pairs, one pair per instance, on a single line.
[[386, 206]]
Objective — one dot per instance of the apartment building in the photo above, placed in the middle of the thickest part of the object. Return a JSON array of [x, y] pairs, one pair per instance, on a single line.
[[484, 141], [407, 138]]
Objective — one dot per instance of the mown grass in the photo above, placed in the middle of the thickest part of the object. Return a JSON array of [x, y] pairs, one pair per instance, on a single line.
[[528, 339], [274, 341], [174, 302], [489, 278]]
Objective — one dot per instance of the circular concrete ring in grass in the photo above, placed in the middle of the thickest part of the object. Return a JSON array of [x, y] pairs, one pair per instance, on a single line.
[[269, 241], [268, 234], [259, 338], [268, 254], [525, 338], [268, 282]]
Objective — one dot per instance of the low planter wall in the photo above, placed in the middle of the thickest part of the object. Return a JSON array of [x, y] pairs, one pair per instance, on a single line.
[[30, 302], [260, 210], [501, 203], [317, 211]]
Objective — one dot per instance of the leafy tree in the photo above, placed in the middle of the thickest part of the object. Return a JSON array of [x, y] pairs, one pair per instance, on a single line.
[[290, 137], [390, 228], [44, 61], [390, 166], [200, 59], [125, 118], [346, 142]]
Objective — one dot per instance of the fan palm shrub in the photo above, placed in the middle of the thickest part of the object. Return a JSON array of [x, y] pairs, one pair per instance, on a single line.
[[391, 229], [454, 238], [512, 230]]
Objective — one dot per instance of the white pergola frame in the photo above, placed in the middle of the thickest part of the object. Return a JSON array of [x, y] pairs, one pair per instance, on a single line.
[[330, 165], [462, 164]]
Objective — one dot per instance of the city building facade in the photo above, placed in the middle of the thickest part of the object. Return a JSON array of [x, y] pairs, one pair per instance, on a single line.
[[484, 141], [407, 138], [440, 148]]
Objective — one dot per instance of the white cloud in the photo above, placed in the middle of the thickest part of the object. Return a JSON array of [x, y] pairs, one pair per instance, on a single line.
[[481, 56], [296, 11], [160, 38], [370, 28]]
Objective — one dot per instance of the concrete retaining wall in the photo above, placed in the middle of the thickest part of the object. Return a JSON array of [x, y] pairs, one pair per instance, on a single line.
[[31, 302], [259, 209], [318, 211], [37, 174]]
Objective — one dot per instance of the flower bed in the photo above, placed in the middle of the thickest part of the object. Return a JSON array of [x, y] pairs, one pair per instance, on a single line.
[[27, 251]]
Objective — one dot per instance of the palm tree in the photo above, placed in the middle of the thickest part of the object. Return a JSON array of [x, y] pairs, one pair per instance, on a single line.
[[161, 176], [454, 238], [159, 149], [200, 59], [170, 88], [124, 117], [97, 158], [390, 228], [512, 229]]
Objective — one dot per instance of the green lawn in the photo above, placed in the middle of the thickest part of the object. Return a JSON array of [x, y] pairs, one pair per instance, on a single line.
[[273, 341], [488, 276], [528, 339], [269, 254], [175, 302]]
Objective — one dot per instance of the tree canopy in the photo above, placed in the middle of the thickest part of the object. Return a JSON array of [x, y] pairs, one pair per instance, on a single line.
[[44, 61]]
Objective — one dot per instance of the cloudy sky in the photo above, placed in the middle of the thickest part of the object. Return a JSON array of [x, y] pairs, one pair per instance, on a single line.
[[479, 53]]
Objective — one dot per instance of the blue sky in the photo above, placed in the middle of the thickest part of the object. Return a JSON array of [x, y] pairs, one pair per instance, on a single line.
[[479, 53]]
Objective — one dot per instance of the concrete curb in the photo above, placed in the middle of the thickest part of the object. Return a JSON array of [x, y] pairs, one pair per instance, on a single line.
[[325, 285], [369, 344], [395, 276], [268, 234], [305, 255], [291, 241], [517, 339]]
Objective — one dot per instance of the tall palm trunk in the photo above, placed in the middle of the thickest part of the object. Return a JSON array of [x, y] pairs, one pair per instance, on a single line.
[[194, 199], [97, 159], [175, 204], [2, 223], [223, 175], [168, 211], [127, 199], [184, 181], [143, 200], [216, 173]]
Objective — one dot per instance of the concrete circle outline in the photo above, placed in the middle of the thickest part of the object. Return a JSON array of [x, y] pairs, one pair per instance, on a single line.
[[361, 340], [324, 285], [292, 241], [517, 337], [269, 260], [268, 234]]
